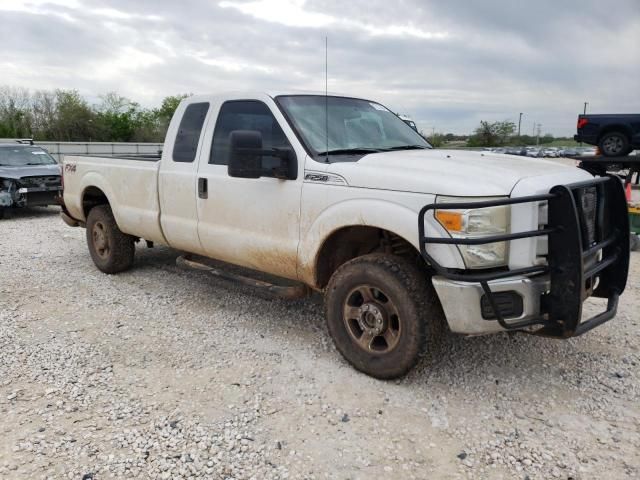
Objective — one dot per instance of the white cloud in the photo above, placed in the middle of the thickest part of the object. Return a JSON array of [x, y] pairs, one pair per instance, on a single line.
[[34, 5], [444, 63], [286, 12], [293, 14]]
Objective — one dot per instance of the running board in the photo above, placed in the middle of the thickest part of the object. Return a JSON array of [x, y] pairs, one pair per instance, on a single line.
[[288, 292]]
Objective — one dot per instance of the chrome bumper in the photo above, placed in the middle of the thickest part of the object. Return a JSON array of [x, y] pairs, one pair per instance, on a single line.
[[461, 302]]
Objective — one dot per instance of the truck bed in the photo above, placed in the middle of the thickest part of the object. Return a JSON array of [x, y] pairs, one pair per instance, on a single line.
[[130, 183]]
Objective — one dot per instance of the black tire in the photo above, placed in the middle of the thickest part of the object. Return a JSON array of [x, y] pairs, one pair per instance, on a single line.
[[418, 321], [111, 250], [2, 209], [614, 144], [634, 242]]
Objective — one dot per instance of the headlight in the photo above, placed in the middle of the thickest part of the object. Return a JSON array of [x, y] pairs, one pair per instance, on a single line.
[[477, 223]]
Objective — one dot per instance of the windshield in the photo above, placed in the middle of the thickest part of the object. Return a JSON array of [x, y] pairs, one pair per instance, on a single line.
[[20, 156], [354, 125]]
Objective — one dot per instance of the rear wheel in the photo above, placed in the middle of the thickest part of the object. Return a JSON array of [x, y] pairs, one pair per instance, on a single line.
[[111, 250], [614, 144], [381, 313]]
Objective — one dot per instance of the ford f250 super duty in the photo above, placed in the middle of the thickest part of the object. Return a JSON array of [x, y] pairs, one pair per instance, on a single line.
[[340, 195]]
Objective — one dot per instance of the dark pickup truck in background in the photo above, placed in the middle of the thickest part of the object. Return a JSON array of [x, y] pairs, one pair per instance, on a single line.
[[615, 134]]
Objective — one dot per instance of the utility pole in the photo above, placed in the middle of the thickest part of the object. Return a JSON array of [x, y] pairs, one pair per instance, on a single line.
[[585, 107], [519, 123], [538, 136]]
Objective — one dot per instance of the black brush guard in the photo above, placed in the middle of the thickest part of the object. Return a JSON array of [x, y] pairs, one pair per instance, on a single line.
[[573, 263]]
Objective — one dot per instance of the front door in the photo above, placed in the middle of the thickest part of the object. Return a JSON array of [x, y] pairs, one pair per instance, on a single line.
[[250, 222]]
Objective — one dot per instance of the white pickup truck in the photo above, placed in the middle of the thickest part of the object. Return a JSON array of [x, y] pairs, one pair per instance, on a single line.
[[339, 194]]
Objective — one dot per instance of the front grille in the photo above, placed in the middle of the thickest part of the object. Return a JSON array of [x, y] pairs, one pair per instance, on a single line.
[[41, 181], [587, 201]]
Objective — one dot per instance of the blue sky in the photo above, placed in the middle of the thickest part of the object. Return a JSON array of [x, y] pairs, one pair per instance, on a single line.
[[446, 64]]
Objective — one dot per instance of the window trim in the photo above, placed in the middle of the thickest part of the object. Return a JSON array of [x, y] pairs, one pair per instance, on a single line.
[[200, 136], [254, 100]]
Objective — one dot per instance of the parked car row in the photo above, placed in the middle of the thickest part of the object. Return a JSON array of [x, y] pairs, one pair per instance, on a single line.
[[545, 152]]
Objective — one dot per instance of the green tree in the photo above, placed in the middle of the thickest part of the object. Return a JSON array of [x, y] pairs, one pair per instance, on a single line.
[[436, 139], [74, 118], [493, 134], [168, 108], [15, 112], [44, 114], [116, 118], [65, 115]]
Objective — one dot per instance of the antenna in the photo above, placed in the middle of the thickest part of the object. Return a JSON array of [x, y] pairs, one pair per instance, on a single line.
[[326, 94]]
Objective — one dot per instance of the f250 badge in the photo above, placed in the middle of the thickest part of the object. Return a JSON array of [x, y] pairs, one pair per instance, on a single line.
[[70, 168], [316, 177]]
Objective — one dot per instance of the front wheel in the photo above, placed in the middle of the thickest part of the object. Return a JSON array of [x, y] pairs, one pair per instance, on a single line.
[[381, 313], [614, 144], [111, 250]]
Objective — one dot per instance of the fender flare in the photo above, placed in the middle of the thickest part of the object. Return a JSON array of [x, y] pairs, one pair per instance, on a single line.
[[95, 180]]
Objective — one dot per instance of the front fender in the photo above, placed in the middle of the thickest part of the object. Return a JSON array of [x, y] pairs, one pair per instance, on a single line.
[[398, 218]]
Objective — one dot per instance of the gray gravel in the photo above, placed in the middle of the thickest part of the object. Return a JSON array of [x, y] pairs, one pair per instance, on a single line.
[[165, 373]]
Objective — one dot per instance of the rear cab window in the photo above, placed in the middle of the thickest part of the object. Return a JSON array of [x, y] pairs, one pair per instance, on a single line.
[[188, 136]]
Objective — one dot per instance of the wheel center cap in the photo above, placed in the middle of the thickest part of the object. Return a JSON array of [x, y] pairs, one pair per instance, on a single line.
[[371, 319], [100, 239]]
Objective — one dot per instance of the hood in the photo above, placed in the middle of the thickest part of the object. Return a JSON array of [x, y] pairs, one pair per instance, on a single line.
[[15, 173], [445, 172]]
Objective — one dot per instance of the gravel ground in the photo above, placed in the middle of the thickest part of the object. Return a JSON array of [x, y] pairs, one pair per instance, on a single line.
[[165, 373]]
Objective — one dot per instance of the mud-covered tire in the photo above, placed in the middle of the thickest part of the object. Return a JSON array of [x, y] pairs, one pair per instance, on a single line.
[[419, 317], [614, 144], [111, 250]]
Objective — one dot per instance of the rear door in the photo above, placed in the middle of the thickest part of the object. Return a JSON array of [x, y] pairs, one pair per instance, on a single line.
[[177, 178], [250, 222]]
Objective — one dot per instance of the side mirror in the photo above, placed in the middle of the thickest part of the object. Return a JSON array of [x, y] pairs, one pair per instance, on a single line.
[[247, 154]]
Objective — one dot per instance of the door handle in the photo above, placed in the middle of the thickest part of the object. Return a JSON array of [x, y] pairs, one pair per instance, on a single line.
[[203, 190]]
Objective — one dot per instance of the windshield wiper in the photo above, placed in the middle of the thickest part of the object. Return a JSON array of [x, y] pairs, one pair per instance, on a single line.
[[406, 147], [343, 151]]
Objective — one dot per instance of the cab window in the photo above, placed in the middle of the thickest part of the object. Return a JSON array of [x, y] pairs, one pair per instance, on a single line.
[[246, 115], [188, 136]]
